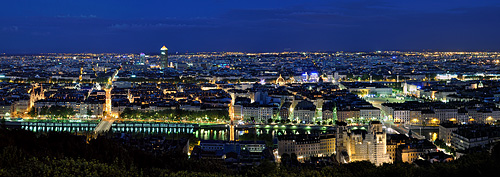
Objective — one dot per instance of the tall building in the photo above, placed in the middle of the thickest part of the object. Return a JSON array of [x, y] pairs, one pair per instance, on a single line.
[[342, 144], [143, 56], [164, 57]]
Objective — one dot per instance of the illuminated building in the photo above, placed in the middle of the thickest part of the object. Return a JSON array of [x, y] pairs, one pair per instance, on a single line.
[[305, 77], [285, 111], [305, 146], [143, 56], [445, 130], [369, 113], [313, 77], [327, 113], [164, 57], [304, 111], [257, 113], [393, 142], [412, 151], [280, 81], [36, 93], [360, 144]]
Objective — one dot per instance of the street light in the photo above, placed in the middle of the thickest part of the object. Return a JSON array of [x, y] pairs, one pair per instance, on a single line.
[[434, 120], [415, 121], [489, 119]]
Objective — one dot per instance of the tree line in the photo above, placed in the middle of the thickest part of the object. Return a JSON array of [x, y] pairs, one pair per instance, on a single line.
[[55, 111], [176, 114]]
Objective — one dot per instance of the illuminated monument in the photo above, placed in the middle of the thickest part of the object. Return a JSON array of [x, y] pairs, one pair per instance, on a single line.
[[164, 57], [360, 144], [280, 81]]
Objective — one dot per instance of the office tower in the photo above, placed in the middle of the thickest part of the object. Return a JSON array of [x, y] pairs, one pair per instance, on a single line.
[[164, 57], [143, 56]]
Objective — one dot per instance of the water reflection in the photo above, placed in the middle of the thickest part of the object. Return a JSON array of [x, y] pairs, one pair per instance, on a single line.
[[223, 134], [210, 134], [173, 130]]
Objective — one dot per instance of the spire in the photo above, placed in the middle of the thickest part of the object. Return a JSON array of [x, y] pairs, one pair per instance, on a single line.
[[164, 48]]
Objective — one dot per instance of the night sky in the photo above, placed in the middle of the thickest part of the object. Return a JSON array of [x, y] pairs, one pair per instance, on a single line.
[[35, 26]]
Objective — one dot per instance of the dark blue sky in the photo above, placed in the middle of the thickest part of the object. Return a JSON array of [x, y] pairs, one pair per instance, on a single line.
[[34, 26]]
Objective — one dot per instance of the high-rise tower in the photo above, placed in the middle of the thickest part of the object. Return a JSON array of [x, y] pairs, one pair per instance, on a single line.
[[143, 56], [164, 57]]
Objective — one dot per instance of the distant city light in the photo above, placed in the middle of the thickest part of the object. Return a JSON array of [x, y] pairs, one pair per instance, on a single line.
[[263, 82]]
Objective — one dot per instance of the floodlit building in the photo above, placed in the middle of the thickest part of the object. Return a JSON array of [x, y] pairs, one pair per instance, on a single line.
[[254, 112], [306, 146], [412, 151], [164, 57], [304, 111], [280, 81], [360, 144], [445, 130]]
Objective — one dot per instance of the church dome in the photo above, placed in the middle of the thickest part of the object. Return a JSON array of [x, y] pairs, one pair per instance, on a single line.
[[280, 81]]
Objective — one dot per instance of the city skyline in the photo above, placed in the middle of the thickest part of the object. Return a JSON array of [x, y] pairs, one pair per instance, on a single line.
[[249, 88], [199, 26]]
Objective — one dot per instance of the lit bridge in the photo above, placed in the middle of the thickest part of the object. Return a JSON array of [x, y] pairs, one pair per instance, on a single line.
[[81, 127]]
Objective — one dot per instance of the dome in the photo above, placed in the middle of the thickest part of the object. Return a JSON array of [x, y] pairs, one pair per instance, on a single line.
[[280, 81]]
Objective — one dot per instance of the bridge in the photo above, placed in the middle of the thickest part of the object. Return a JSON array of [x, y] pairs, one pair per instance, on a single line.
[[88, 127], [103, 126], [53, 126], [401, 129]]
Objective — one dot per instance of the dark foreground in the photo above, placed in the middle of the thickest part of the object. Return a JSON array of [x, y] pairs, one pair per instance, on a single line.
[[24, 153]]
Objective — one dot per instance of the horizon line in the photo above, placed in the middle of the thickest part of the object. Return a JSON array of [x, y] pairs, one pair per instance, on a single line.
[[262, 52]]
